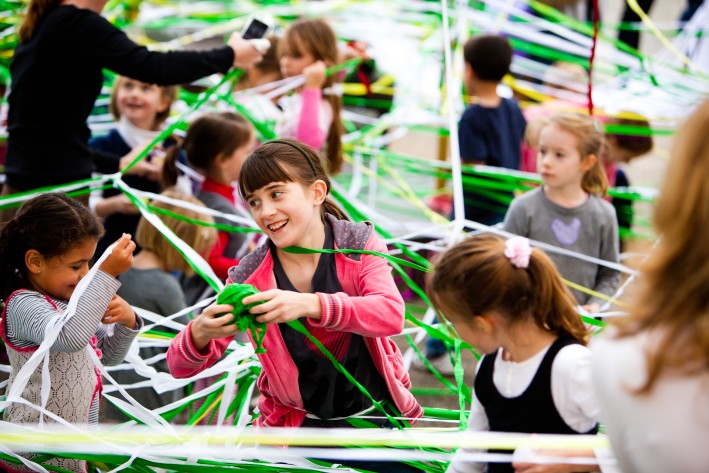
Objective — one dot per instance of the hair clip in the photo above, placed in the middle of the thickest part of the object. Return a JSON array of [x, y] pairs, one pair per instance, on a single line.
[[518, 251]]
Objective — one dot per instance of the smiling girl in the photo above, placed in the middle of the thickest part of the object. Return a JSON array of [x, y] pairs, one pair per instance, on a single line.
[[568, 209], [347, 301], [140, 110], [44, 252]]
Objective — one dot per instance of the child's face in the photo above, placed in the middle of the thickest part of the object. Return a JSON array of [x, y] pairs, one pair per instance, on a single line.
[[232, 164], [288, 212], [478, 333], [140, 102], [559, 160], [295, 58], [58, 276]]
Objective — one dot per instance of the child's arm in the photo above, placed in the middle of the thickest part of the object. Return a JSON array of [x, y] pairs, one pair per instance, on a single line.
[[607, 279], [29, 313], [309, 130], [202, 342], [516, 220], [126, 327]]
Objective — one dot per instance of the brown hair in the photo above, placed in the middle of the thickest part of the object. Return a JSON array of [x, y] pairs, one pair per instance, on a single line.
[[199, 237], [674, 297], [52, 224], [35, 13], [589, 134], [168, 92], [209, 137], [318, 38], [637, 142], [286, 161], [475, 277]]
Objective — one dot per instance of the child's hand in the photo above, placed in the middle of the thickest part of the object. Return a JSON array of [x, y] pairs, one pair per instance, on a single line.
[[119, 312], [216, 321], [591, 308], [121, 257], [284, 306], [149, 169], [315, 75]]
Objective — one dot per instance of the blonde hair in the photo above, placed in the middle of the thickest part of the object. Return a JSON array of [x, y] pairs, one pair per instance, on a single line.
[[199, 237], [674, 294], [589, 134], [475, 277], [168, 92], [318, 38]]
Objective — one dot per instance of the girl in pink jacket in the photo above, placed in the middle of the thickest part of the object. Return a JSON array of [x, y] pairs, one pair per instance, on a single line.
[[349, 302]]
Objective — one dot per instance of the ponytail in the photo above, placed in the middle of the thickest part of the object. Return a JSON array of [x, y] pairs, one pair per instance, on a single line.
[[595, 181], [332, 208], [475, 277], [36, 11], [170, 173], [334, 137]]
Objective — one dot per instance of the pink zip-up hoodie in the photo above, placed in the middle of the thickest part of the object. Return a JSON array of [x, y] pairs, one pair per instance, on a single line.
[[370, 305]]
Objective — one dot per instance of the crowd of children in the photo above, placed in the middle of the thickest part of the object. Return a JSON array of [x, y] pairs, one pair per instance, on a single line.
[[510, 301]]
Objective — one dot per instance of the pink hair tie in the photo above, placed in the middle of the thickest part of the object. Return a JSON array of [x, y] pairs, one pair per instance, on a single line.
[[517, 249]]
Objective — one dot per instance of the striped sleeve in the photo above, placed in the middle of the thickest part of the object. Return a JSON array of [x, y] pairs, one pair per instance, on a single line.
[[115, 347], [29, 313]]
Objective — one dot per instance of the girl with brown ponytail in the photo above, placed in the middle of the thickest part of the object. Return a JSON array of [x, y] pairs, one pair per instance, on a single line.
[[508, 301]]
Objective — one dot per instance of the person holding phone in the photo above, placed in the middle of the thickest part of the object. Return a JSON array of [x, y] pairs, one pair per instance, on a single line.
[[57, 76]]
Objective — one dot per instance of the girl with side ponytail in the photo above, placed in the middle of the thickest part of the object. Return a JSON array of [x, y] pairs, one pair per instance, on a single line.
[[508, 301]]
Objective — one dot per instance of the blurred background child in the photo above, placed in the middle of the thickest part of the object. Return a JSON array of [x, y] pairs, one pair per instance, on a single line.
[[621, 147], [140, 110], [309, 47], [216, 145], [568, 209], [151, 284]]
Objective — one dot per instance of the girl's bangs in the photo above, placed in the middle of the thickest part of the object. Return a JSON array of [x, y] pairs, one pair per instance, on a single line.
[[260, 170]]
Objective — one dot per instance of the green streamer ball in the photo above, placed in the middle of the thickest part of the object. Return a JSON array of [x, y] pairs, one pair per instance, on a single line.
[[234, 294]]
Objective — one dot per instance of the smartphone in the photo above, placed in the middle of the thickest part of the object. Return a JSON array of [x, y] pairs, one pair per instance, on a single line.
[[255, 28]]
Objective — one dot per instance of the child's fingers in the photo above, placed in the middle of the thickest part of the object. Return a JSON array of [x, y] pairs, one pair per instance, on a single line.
[[215, 310], [261, 296]]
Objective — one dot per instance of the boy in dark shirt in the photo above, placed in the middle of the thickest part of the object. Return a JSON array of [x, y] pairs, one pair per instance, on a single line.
[[490, 132]]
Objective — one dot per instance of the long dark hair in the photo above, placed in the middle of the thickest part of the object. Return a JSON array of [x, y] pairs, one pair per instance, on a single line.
[[50, 223], [286, 161]]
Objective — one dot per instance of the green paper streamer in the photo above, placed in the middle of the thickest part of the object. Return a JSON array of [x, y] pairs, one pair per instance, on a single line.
[[234, 294]]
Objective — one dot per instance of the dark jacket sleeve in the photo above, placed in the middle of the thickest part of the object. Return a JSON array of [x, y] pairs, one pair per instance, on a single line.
[[109, 47]]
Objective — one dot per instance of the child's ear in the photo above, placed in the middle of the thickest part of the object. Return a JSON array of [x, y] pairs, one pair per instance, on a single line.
[[588, 162], [164, 104], [319, 189], [33, 261], [468, 73]]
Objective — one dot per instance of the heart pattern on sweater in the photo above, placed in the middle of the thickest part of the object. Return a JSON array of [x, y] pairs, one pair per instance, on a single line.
[[566, 233]]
